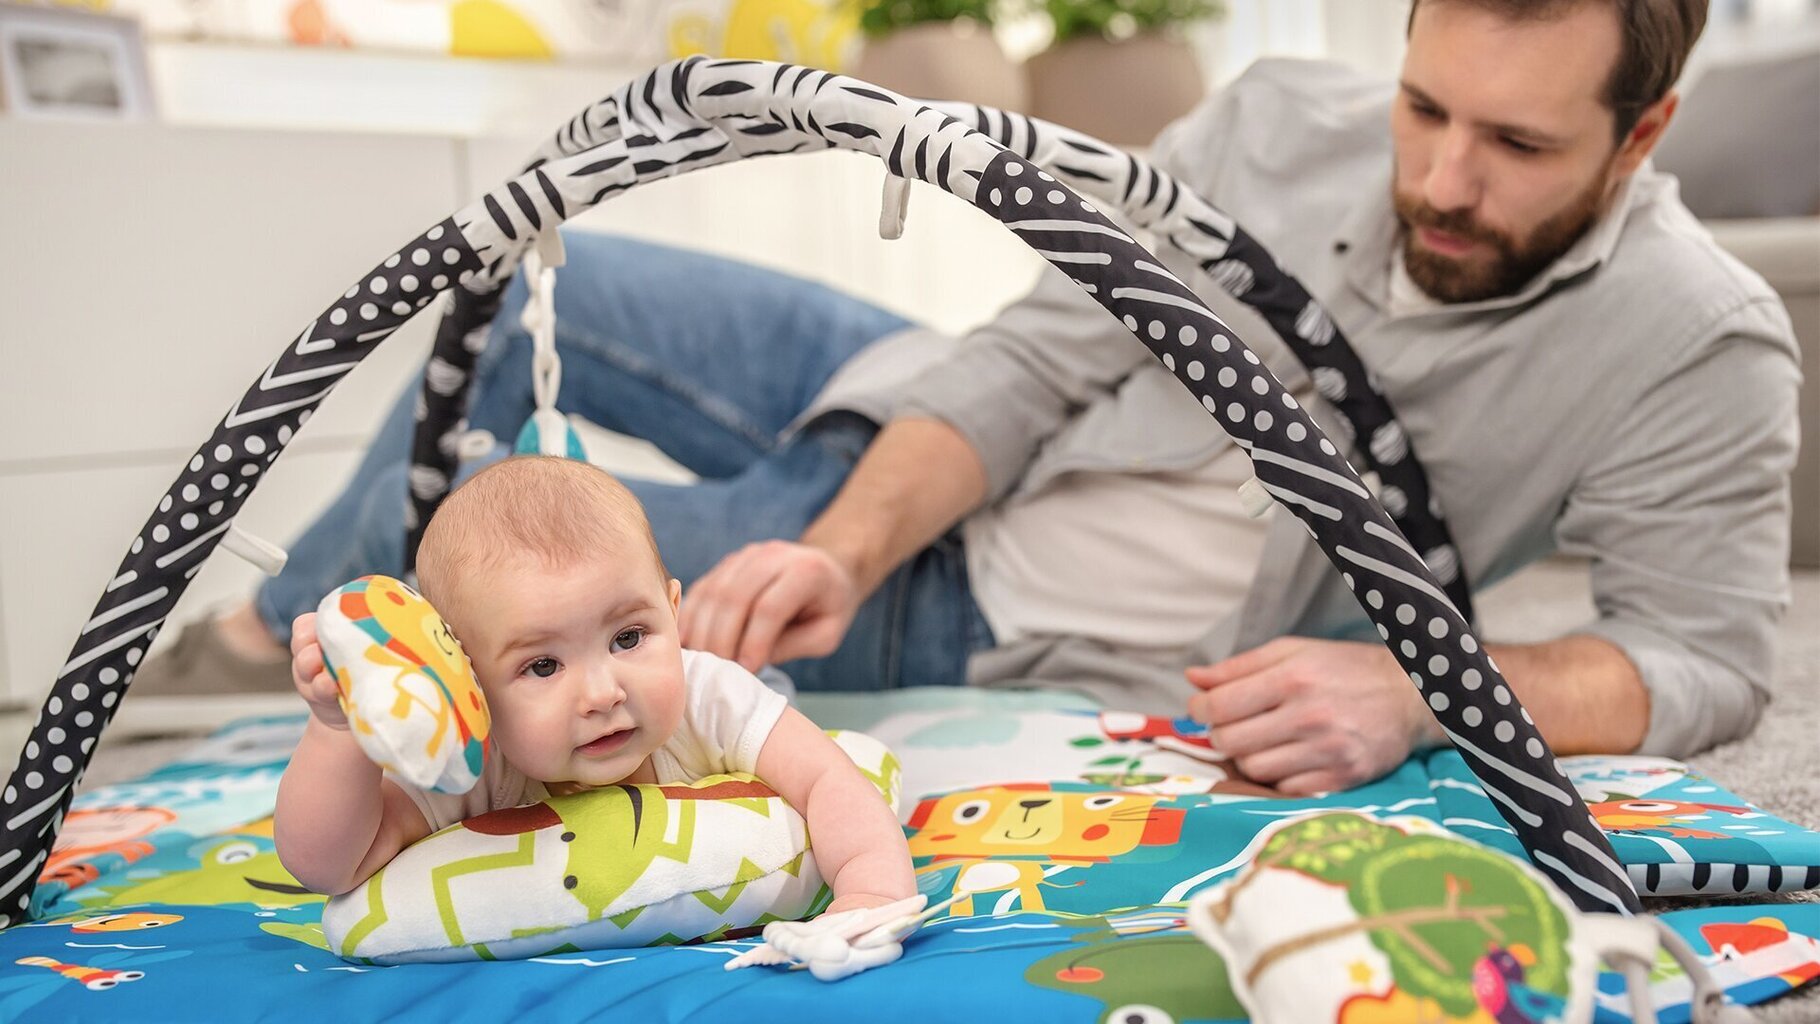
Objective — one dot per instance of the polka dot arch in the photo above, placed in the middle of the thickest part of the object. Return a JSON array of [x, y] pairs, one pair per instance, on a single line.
[[184, 528], [697, 113]]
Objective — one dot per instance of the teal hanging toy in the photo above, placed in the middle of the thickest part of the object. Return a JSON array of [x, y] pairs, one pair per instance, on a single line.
[[547, 432]]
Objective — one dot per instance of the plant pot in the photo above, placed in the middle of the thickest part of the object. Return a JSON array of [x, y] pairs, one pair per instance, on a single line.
[[1122, 92], [944, 60]]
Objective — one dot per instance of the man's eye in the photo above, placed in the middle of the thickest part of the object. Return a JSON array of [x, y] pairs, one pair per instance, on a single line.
[[1425, 112], [543, 668], [628, 639], [1519, 146]]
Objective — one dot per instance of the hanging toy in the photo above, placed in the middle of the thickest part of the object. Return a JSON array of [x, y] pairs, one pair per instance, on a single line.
[[547, 432]]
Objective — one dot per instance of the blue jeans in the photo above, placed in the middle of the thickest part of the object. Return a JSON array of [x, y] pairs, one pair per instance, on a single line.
[[709, 360]]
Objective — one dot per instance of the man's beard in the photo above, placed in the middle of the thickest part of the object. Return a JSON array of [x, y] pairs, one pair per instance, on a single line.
[[1512, 265]]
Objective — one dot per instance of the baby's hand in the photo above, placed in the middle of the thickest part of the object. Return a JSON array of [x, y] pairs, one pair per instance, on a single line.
[[857, 901], [311, 678]]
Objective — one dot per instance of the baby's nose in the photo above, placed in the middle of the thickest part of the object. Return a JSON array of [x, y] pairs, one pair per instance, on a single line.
[[603, 690]]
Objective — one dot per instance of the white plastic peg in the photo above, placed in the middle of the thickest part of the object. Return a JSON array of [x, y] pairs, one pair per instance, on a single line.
[[895, 207], [265, 556], [1256, 501]]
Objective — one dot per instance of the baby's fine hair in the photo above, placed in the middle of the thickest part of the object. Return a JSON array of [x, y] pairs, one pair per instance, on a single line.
[[558, 510]]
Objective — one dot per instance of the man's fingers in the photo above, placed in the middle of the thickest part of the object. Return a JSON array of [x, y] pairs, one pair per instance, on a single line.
[[1321, 780], [815, 637], [706, 595], [1242, 664], [1281, 763], [1249, 737], [1237, 700], [706, 613], [774, 610]]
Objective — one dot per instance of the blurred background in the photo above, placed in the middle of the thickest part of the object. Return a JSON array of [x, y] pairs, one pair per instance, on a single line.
[[184, 183]]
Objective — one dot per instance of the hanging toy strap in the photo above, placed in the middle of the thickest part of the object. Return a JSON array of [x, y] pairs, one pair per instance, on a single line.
[[547, 432]]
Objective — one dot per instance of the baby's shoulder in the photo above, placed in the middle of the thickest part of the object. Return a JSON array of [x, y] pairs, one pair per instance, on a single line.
[[704, 667]]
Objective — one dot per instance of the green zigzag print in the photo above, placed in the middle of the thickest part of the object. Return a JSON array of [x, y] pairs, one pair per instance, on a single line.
[[441, 876]]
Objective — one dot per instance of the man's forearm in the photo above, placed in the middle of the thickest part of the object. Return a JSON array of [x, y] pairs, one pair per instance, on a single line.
[[918, 478], [1584, 694]]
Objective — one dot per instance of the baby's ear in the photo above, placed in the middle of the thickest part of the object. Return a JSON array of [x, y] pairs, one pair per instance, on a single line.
[[675, 596]]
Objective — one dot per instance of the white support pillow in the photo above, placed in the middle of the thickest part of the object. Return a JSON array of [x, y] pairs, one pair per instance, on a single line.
[[614, 867]]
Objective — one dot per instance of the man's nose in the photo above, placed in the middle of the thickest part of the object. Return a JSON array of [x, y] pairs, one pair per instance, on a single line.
[[1453, 181]]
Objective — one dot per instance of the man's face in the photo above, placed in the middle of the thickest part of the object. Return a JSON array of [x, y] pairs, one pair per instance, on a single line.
[[1504, 149]]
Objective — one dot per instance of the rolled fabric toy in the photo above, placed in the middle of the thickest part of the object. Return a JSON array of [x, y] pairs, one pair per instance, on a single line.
[[406, 685]]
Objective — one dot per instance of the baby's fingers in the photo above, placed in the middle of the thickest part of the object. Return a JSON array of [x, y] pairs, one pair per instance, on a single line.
[[323, 688], [303, 632], [323, 696], [306, 665]]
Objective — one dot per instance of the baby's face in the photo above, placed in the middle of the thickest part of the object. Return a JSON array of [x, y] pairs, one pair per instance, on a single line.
[[581, 665]]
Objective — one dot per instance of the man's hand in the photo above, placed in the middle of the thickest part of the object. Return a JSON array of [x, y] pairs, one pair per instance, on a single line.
[[770, 602], [1311, 716], [308, 674]]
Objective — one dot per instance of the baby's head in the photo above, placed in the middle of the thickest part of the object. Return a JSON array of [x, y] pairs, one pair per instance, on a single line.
[[546, 570]]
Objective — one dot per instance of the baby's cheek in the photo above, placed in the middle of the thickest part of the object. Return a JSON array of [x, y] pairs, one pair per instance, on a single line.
[[672, 709]]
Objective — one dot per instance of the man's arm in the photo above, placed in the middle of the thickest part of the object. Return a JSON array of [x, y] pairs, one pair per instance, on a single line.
[[1310, 716], [1584, 694], [780, 600], [964, 434], [1685, 518], [919, 477]]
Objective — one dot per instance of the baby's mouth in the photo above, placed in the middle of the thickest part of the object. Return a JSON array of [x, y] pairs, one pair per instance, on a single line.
[[607, 743]]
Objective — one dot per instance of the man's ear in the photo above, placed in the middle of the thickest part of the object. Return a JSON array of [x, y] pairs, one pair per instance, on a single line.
[[675, 596], [1645, 134]]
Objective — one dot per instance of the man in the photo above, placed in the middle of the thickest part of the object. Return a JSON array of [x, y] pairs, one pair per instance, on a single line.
[[1575, 363]]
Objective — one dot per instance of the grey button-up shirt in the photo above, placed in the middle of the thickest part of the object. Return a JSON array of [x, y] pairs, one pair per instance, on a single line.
[[1635, 403]]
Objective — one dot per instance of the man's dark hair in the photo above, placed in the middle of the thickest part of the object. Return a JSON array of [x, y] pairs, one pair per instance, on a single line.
[[1657, 37]]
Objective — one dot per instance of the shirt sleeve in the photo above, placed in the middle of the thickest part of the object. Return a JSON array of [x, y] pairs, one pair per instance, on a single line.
[[500, 786], [727, 716], [1685, 517], [1015, 382]]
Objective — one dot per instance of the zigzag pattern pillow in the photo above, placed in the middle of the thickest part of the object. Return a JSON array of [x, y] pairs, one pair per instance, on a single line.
[[614, 867]]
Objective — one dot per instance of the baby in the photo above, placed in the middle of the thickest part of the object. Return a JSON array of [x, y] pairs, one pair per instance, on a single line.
[[547, 571]]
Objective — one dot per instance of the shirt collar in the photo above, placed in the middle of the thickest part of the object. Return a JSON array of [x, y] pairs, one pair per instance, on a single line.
[[1369, 231]]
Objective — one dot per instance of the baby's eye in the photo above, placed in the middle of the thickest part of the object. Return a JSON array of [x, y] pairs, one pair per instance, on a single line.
[[629, 638], [543, 668]]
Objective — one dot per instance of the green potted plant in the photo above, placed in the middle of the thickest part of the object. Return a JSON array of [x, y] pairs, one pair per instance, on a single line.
[[1118, 69], [938, 49]]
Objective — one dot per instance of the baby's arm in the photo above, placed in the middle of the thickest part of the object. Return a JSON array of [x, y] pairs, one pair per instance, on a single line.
[[858, 845], [338, 819]]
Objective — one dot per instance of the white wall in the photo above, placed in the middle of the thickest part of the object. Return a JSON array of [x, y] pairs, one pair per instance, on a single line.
[[151, 271]]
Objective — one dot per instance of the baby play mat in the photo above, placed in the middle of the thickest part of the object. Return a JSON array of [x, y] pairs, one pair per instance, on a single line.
[[1118, 825]]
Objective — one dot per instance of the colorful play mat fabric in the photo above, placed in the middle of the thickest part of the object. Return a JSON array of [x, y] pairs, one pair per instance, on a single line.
[[168, 886]]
